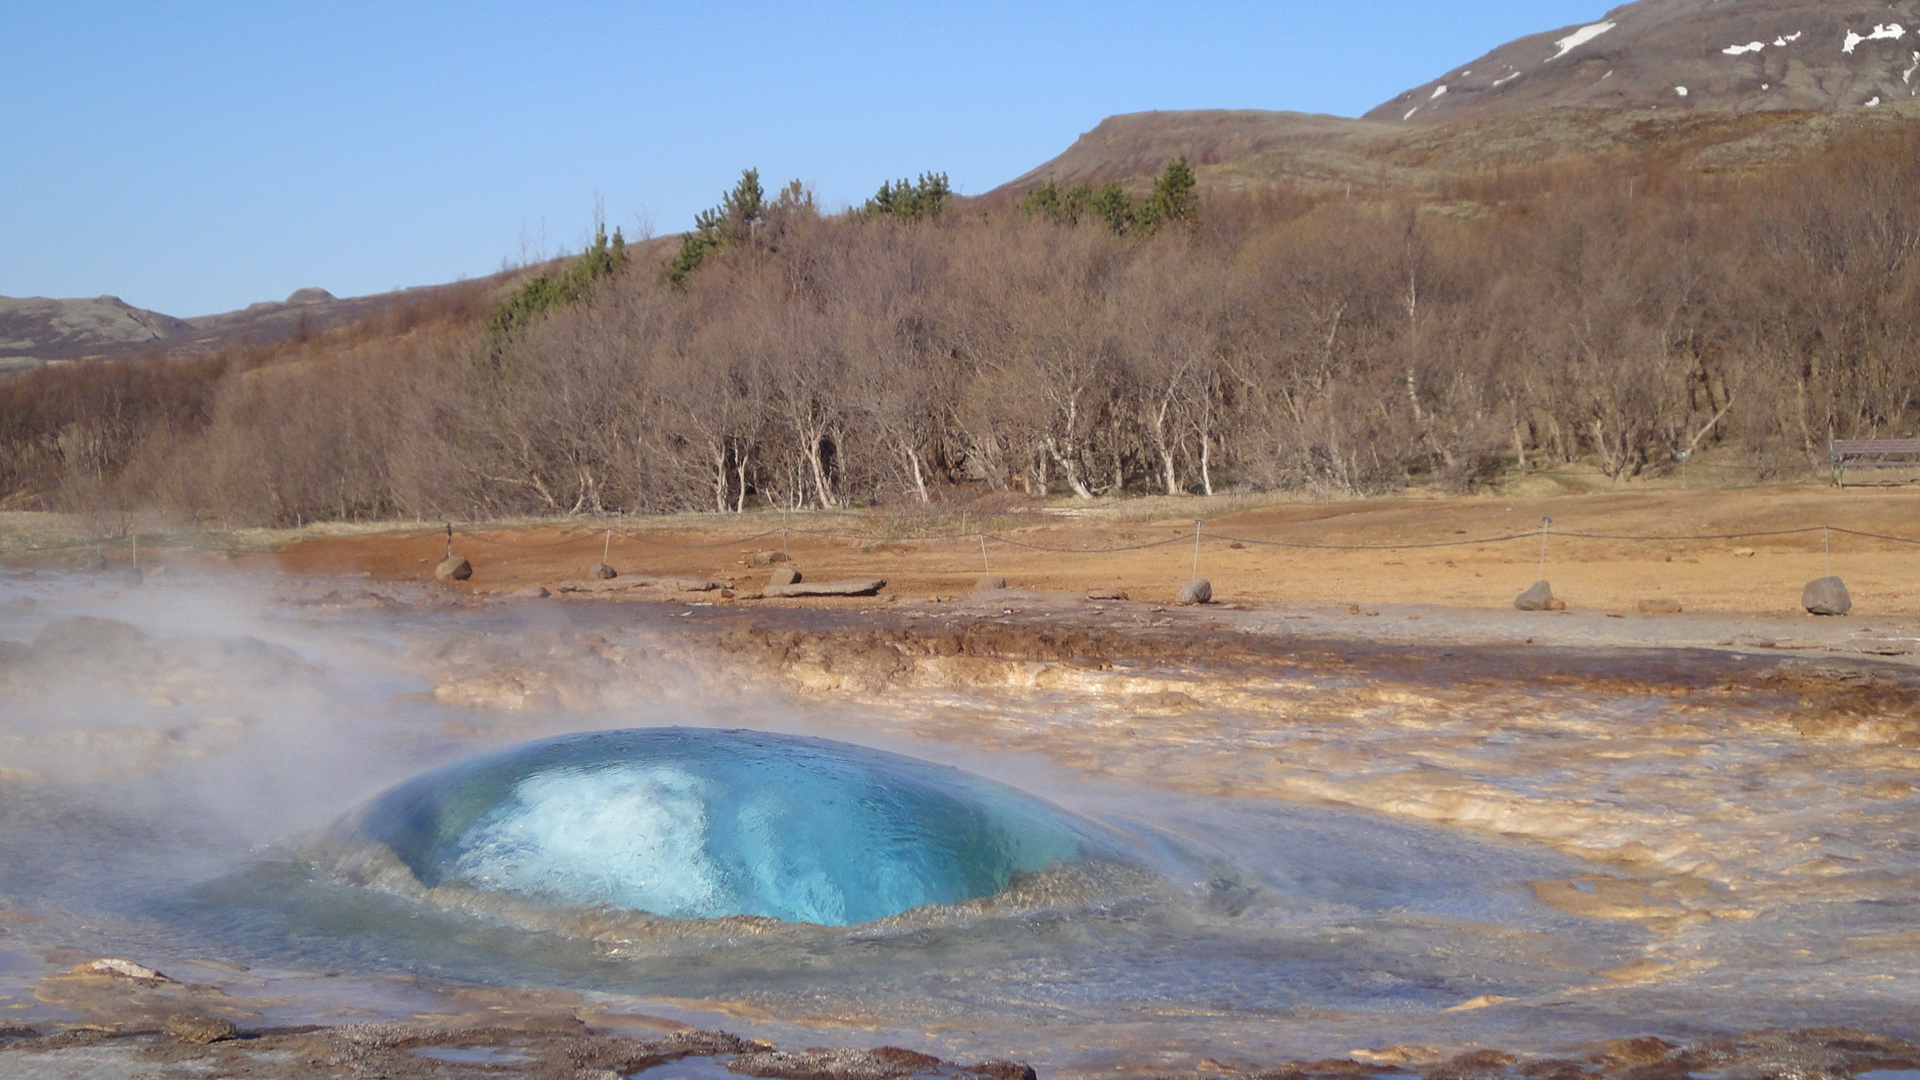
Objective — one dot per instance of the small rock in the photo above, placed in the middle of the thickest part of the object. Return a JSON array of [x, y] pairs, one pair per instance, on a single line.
[[1743, 553], [1537, 598], [201, 1030], [135, 575], [1826, 596], [1659, 606], [125, 969], [785, 575], [453, 568], [766, 558], [989, 582], [96, 562], [1398, 1054], [1353, 609], [1001, 1069], [531, 592], [1556, 604], [1642, 1051], [1107, 594], [602, 572], [1197, 591]]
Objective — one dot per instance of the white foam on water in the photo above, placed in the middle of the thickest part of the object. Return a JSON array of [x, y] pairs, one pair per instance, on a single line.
[[633, 837]]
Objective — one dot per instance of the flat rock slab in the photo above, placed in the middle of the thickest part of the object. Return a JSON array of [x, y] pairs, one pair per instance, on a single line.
[[849, 587], [629, 584]]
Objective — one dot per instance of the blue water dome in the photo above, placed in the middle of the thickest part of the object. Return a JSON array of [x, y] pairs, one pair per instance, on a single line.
[[701, 823]]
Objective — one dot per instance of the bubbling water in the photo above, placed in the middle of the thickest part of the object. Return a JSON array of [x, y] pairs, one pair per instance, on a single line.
[[693, 823]]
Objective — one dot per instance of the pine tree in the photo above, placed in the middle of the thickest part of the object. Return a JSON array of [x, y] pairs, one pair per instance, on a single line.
[[740, 213], [1045, 201], [922, 200], [1115, 206], [1171, 201]]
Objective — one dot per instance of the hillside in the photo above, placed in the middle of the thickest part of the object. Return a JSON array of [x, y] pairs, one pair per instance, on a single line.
[[37, 327], [1690, 56], [1761, 81]]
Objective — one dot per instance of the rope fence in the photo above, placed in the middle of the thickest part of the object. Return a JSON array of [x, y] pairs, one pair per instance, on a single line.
[[1197, 534]]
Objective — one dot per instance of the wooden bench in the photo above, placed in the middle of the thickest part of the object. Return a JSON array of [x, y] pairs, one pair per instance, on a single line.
[[1871, 454]]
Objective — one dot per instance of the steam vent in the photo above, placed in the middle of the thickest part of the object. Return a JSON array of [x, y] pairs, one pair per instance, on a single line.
[[700, 823]]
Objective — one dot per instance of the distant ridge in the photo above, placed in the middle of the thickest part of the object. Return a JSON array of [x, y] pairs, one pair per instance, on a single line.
[[1721, 83], [1690, 55]]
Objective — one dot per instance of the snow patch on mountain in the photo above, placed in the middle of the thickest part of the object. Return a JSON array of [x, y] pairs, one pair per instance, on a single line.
[[1888, 32], [1578, 38]]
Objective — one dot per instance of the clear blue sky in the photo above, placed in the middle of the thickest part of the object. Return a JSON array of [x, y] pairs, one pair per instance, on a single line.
[[194, 157]]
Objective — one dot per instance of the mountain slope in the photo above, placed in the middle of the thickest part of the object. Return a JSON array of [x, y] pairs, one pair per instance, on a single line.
[[1714, 84], [37, 326], [1690, 55]]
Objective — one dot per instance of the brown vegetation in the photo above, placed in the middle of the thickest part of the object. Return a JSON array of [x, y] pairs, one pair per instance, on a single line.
[[1621, 313]]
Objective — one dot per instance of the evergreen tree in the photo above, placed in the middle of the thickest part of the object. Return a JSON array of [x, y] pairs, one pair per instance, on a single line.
[[740, 213], [922, 200], [1113, 205], [530, 302], [1171, 202], [1045, 201]]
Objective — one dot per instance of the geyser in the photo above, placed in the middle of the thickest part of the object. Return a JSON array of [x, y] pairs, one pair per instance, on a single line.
[[701, 823]]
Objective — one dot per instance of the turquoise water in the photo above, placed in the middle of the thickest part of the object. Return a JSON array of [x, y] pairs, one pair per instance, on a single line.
[[701, 823]]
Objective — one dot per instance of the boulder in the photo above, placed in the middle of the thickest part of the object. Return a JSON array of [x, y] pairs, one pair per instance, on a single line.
[[453, 568], [1826, 596], [1197, 591], [989, 582], [1659, 606], [96, 562], [850, 587], [602, 572], [785, 575], [1538, 598], [766, 558]]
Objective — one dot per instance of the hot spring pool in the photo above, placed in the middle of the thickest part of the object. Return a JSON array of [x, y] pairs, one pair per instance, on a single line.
[[696, 823]]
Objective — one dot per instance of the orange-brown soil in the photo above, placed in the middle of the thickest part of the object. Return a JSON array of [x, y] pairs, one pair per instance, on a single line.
[[1758, 575]]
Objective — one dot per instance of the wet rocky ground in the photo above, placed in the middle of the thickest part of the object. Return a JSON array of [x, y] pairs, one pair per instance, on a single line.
[[1741, 797]]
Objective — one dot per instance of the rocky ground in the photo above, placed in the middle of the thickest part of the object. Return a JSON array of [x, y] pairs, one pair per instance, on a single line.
[[1740, 761]]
